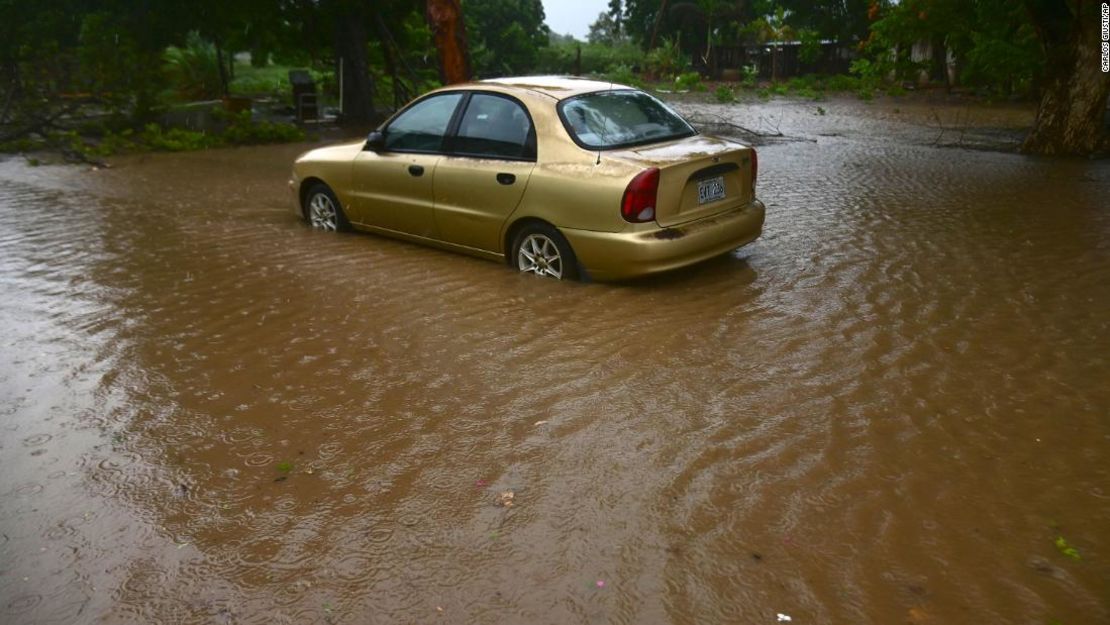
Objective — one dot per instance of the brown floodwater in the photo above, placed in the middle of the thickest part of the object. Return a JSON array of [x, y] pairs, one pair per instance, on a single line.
[[892, 408]]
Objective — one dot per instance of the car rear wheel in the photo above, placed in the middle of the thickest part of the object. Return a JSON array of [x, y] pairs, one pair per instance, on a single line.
[[324, 211], [540, 249]]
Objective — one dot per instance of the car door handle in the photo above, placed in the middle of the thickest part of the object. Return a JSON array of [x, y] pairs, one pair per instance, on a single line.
[[506, 178], [416, 170]]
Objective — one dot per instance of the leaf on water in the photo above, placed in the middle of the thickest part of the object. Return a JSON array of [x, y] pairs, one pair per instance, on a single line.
[[1066, 549], [285, 467]]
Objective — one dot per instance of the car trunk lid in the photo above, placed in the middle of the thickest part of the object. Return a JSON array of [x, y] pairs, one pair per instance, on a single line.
[[699, 176]]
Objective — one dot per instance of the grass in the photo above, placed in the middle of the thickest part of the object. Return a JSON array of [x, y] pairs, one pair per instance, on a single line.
[[271, 80]]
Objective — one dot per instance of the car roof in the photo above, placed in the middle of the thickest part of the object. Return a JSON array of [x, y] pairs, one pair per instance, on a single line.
[[557, 87]]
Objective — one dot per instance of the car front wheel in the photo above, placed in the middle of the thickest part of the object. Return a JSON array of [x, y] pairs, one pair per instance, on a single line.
[[540, 249], [324, 211]]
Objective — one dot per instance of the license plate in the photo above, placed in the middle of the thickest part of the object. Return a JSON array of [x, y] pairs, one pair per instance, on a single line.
[[711, 190]]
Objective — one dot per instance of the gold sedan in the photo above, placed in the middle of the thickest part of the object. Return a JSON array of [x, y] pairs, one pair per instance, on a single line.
[[558, 177]]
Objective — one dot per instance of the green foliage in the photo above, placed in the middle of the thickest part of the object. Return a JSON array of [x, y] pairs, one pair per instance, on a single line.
[[623, 74], [176, 139], [994, 38], [667, 59], [724, 95], [810, 49], [113, 66], [193, 69], [606, 30], [868, 77], [561, 57], [505, 35], [1003, 53], [808, 93], [689, 81], [242, 130], [843, 20], [840, 82], [750, 74]]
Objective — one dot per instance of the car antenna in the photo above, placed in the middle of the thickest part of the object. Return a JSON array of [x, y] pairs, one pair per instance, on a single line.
[[599, 149]]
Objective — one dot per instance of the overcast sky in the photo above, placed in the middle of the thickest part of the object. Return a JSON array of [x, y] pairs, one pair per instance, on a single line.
[[573, 16]]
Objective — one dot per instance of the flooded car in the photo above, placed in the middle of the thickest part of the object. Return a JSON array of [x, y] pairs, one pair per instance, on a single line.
[[558, 177]]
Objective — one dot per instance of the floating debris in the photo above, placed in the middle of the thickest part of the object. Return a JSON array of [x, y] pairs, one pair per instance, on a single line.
[[506, 498], [1066, 549]]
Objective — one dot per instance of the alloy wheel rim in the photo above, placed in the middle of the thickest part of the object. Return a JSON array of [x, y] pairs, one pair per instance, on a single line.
[[539, 255], [322, 213]]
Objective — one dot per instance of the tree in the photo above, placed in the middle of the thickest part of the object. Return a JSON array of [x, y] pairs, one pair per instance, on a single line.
[[445, 18], [605, 30], [774, 28], [840, 20], [1073, 101], [507, 35]]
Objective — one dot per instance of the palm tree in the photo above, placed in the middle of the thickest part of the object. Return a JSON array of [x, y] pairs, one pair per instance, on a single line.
[[773, 29]]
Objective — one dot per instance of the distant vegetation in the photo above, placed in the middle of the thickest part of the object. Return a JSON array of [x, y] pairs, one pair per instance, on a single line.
[[110, 66]]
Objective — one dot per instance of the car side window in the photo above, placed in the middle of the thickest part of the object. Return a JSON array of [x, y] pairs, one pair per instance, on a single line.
[[495, 127], [422, 127]]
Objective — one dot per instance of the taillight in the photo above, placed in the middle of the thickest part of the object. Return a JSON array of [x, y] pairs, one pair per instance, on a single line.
[[638, 203], [755, 168]]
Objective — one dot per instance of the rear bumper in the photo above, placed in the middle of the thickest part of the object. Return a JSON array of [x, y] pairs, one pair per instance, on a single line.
[[617, 255]]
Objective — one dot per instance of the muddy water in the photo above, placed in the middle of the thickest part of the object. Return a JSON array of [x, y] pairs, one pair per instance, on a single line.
[[884, 411]]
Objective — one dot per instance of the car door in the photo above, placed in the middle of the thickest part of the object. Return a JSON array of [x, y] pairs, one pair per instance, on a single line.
[[393, 187], [481, 179]]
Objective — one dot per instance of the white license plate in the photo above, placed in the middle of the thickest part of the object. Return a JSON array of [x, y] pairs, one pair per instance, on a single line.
[[711, 190]]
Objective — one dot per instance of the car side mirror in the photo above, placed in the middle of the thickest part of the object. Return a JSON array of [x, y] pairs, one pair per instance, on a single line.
[[375, 141]]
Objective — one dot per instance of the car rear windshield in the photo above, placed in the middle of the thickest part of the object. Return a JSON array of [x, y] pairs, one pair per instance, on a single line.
[[620, 118]]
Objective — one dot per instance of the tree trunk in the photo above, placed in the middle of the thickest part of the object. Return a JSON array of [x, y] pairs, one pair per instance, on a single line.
[[655, 26], [1070, 118], [400, 95], [358, 86], [938, 60], [445, 18], [224, 82]]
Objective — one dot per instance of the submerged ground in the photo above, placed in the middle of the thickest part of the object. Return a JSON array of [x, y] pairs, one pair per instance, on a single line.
[[891, 408]]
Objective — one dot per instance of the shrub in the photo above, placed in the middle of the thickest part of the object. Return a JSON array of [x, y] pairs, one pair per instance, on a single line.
[[724, 95], [624, 75], [808, 93], [242, 130], [840, 82], [597, 59], [689, 81], [176, 139], [193, 69], [750, 75], [810, 49], [667, 60]]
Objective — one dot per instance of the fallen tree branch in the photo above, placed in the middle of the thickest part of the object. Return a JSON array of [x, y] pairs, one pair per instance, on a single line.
[[719, 120]]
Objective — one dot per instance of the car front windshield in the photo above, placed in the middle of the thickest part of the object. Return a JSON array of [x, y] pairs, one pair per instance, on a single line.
[[620, 118]]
